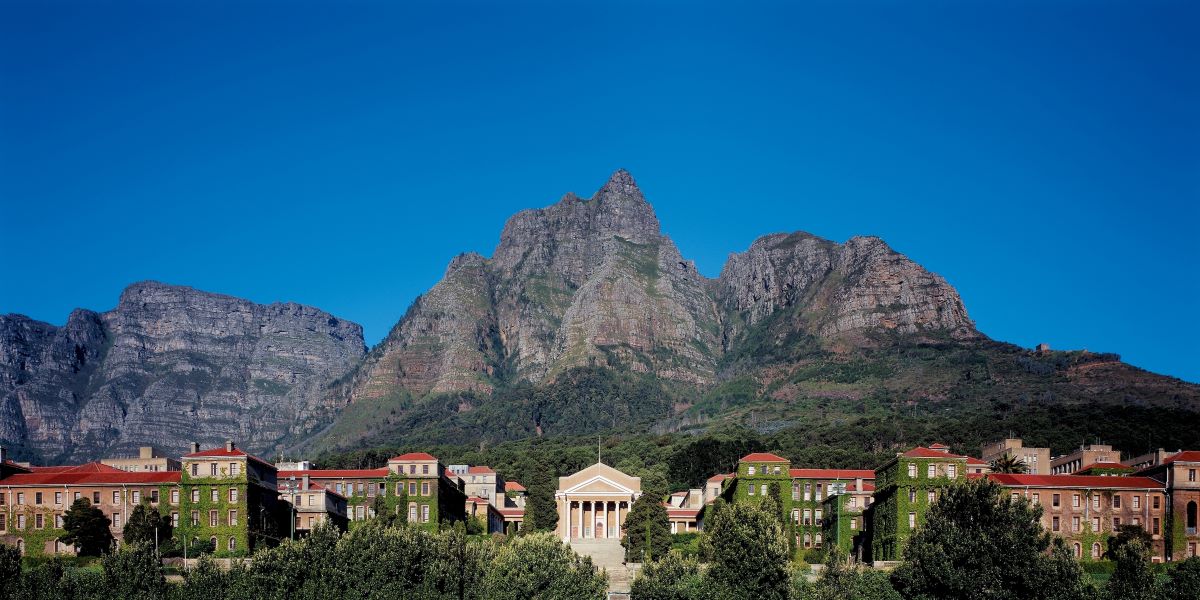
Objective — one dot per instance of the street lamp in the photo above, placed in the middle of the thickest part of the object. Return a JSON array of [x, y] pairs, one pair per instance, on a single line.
[[290, 486]]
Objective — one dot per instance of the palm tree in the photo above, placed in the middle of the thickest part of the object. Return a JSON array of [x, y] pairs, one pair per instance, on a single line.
[[1007, 463]]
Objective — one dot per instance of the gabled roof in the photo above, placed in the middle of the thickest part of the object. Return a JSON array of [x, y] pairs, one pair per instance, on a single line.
[[223, 453], [336, 473], [720, 477], [480, 470], [939, 447], [512, 486], [831, 473], [1075, 481], [762, 457], [93, 478], [414, 456]]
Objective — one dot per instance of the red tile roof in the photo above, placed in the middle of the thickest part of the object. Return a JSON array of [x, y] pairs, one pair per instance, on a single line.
[[92, 467], [1075, 481], [971, 460], [480, 470], [512, 486], [476, 500], [762, 457], [939, 447], [93, 478], [867, 487], [414, 456], [922, 452], [720, 477], [512, 512], [336, 473], [831, 473], [683, 512], [1185, 456], [223, 453]]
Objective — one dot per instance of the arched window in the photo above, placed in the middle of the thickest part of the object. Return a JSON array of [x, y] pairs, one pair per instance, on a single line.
[[232, 544], [21, 546], [807, 540], [1096, 550], [212, 542], [1077, 549]]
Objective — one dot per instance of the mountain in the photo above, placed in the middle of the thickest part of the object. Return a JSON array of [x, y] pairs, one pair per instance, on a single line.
[[167, 366], [587, 318]]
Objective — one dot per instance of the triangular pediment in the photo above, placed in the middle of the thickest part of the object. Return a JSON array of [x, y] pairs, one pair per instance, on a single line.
[[600, 478], [599, 485]]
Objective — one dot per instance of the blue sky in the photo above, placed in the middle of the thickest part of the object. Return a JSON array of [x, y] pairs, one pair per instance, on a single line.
[[1042, 156]]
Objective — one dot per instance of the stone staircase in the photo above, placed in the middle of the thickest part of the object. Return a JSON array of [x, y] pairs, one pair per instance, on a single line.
[[607, 554]]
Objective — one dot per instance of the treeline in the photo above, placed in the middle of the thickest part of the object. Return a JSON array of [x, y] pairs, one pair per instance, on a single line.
[[373, 561]]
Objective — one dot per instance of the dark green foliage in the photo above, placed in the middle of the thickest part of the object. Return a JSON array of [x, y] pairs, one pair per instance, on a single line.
[[698, 459], [540, 567], [840, 580], [646, 534], [1008, 463], [10, 571], [672, 577], [1126, 534], [1133, 579], [1183, 580], [206, 581], [749, 555], [144, 525], [976, 544], [134, 573], [87, 529]]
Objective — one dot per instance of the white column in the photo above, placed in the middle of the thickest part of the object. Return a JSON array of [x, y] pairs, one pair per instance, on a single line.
[[617, 521], [607, 533], [567, 522], [592, 520]]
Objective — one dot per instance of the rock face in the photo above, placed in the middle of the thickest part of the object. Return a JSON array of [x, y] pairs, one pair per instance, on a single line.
[[594, 281], [167, 366], [837, 289]]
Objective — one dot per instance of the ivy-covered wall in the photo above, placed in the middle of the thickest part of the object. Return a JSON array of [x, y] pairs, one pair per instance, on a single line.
[[898, 494]]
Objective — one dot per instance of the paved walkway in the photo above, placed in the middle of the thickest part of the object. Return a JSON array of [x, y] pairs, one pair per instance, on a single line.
[[607, 554]]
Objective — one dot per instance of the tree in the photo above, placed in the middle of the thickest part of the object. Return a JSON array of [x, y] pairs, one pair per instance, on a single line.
[[10, 570], [540, 567], [840, 580], [1126, 534], [1183, 580], [749, 556], [976, 544], [133, 573], [646, 534], [87, 529], [1007, 463], [1133, 578], [673, 577], [145, 523], [541, 511]]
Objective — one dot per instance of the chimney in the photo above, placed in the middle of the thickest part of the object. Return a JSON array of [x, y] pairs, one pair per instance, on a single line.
[[304, 482], [146, 452], [195, 447], [858, 484], [229, 445]]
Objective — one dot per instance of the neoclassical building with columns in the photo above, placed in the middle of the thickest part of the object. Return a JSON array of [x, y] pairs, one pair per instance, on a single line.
[[593, 503]]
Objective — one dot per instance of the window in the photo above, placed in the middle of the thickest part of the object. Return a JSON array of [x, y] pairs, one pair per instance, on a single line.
[[3, 523], [116, 520], [232, 544], [95, 498], [750, 490], [951, 471], [174, 495], [212, 469], [196, 495], [1077, 550], [359, 513], [912, 495], [1054, 524], [154, 496], [212, 541], [341, 489], [425, 488], [58, 521], [116, 497], [750, 470], [1137, 502], [1075, 501], [775, 470], [1013, 496], [215, 495], [1136, 522], [20, 521], [796, 517], [912, 520], [174, 519], [412, 488], [912, 470], [1055, 502], [818, 495], [931, 471], [807, 516], [854, 524], [424, 513], [1154, 525], [1095, 524], [233, 495], [818, 540], [233, 518], [3, 500], [807, 540], [1116, 523], [195, 518], [853, 502], [1116, 501], [400, 488], [310, 499], [1155, 503], [412, 469], [1075, 524], [795, 491], [20, 498], [137, 496], [807, 492], [424, 469], [1191, 475], [1096, 501], [212, 518], [195, 467], [38, 521], [412, 512], [58, 497], [931, 496], [762, 490], [233, 472], [817, 515], [382, 488]]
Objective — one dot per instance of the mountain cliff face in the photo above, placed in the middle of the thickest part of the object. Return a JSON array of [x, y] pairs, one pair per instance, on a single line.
[[167, 366]]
